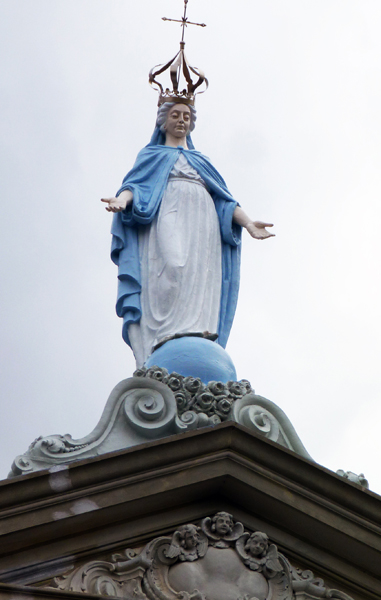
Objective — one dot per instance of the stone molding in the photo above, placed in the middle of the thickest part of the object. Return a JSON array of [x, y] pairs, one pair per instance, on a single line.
[[154, 404], [216, 555]]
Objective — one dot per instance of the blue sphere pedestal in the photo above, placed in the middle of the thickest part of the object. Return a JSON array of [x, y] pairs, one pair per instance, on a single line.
[[194, 357]]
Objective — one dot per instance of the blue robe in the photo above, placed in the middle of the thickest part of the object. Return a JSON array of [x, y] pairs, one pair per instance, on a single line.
[[147, 180]]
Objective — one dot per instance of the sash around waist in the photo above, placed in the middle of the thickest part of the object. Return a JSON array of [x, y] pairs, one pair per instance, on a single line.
[[200, 182]]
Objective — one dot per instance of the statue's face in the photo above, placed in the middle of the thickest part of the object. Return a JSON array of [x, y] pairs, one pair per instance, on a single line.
[[178, 120], [257, 546], [191, 539], [223, 524]]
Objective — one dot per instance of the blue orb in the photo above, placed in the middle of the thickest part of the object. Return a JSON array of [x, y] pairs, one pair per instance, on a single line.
[[194, 357]]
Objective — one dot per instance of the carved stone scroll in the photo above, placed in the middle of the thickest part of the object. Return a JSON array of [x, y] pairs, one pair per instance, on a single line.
[[153, 404]]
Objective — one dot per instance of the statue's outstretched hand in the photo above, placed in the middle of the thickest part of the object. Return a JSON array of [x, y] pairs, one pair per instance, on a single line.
[[119, 203], [114, 204], [257, 230]]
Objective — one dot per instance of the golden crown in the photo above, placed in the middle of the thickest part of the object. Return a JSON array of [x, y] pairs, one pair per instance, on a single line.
[[180, 72]]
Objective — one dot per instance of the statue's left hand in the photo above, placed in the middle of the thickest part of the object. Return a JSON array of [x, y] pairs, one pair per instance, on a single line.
[[257, 230]]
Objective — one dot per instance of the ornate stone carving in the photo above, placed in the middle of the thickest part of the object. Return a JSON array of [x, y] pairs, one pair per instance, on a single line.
[[121, 577], [217, 561], [350, 476], [153, 404], [258, 554], [267, 419], [221, 530], [211, 401], [306, 586], [149, 412], [136, 410], [188, 543]]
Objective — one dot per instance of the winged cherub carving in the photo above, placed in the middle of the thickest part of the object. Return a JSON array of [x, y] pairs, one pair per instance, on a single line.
[[258, 554], [188, 543], [221, 530]]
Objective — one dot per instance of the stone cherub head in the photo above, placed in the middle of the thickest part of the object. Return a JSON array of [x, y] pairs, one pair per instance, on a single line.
[[221, 529], [257, 545], [222, 524], [188, 543], [258, 554]]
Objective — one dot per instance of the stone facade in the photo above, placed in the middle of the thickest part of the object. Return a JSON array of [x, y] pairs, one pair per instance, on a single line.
[[217, 503]]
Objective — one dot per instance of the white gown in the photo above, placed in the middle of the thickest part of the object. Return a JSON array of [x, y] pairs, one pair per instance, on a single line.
[[180, 258]]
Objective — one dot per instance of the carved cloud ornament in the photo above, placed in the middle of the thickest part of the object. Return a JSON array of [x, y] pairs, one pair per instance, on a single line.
[[218, 560]]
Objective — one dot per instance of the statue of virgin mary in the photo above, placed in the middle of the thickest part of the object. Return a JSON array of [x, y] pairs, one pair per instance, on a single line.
[[176, 240], [176, 235]]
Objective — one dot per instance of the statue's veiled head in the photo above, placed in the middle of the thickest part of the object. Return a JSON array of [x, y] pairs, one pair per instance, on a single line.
[[170, 114]]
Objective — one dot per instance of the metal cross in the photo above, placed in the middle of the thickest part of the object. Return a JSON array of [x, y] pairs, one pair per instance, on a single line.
[[184, 21]]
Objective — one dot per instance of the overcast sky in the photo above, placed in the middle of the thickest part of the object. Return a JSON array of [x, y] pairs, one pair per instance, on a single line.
[[292, 121]]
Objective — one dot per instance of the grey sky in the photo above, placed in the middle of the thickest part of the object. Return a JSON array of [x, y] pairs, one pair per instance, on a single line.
[[292, 122]]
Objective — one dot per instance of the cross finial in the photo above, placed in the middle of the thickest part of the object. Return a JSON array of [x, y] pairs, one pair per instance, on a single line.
[[184, 22]]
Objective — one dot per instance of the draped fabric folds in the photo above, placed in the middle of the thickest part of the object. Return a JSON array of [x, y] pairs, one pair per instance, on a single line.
[[147, 180]]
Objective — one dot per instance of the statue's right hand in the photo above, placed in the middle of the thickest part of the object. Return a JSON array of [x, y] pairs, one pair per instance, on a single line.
[[115, 204]]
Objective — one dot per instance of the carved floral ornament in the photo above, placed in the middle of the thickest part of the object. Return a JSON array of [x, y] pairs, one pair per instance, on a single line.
[[216, 560]]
